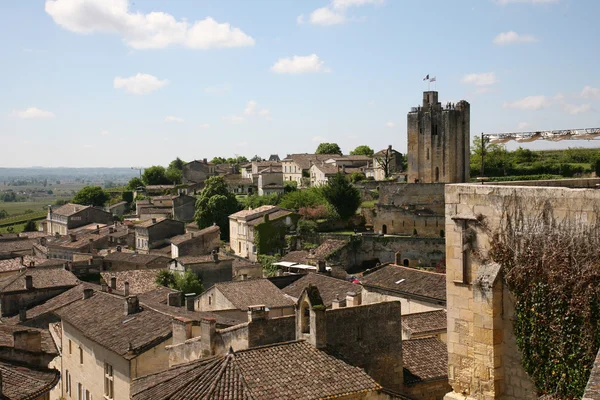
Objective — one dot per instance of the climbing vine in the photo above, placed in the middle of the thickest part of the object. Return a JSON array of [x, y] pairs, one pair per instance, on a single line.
[[552, 267]]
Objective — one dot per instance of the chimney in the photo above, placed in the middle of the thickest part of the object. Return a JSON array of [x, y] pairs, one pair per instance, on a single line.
[[257, 313], [22, 260], [87, 293], [153, 220], [97, 229], [22, 315], [111, 229], [398, 258], [321, 266], [353, 299], [208, 330], [215, 256], [174, 299], [113, 282], [205, 161], [72, 236], [118, 249], [28, 340], [104, 287], [126, 289], [182, 330], [338, 303], [189, 301], [56, 235], [28, 282], [132, 304]]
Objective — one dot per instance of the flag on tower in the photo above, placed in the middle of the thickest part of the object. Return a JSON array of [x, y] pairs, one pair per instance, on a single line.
[[426, 78], [432, 79]]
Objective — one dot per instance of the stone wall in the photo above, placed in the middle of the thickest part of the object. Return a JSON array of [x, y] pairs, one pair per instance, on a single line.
[[409, 305], [273, 330], [484, 361], [428, 390], [184, 208], [11, 303], [213, 272], [198, 246]]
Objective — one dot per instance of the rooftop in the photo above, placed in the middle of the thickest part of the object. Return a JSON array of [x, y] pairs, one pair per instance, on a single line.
[[424, 359], [272, 216], [298, 256], [407, 280], [191, 235], [15, 264], [11, 246], [135, 258], [187, 260], [294, 370], [327, 248], [41, 277], [425, 322], [140, 280], [243, 294], [248, 214], [303, 160], [329, 288], [7, 338], [20, 382], [69, 209]]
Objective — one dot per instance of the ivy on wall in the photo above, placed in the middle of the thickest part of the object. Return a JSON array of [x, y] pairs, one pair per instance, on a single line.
[[552, 268]]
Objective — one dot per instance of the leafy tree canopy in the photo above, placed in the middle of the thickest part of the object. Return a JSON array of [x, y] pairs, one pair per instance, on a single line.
[[173, 175], [215, 204], [186, 282], [218, 160], [297, 199], [329, 148], [30, 226], [91, 196], [362, 150], [177, 164], [3, 214], [342, 196], [135, 183], [155, 175], [230, 160]]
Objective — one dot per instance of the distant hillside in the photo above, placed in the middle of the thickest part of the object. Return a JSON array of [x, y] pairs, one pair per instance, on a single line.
[[68, 174]]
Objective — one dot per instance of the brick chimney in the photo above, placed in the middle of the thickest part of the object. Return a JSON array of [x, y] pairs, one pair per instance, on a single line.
[[28, 340], [22, 314], [353, 299], [28, 282], [126, 289], [215, 255], [174, 299], [338, 303], [208, 332], [113, 282], [132, 305], [257, 313], [72, 236], [87, 293], [104, 287], [189, 301], [182, 330], [321, 266]]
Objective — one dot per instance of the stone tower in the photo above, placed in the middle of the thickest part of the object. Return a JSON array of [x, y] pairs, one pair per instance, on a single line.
[[438, 141]]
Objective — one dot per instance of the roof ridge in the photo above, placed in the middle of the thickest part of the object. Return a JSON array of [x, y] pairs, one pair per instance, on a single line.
[[266, 346], [415, 269]]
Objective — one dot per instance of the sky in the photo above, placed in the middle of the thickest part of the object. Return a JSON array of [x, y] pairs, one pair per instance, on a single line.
[[117, 83]]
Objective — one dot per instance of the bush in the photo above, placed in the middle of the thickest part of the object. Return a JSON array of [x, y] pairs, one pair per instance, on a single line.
[[342, 196], [306, 227], [310, 197], [30, 226], [267, 264], [314, 213]]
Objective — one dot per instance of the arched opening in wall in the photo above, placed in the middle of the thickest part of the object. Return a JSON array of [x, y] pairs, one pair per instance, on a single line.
[[437, 174], [384, 229], [405, 262], [305, 318]]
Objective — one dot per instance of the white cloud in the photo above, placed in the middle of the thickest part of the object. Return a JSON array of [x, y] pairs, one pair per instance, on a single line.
[[483, 79], [105, 133], [143, 31], [326, 16], [390, 124], [219, 89], [139, 84], [252, 110], [534, 2], [319, 139], [204, 126], [512, 37], [577, 109], [348, 3], [299, 65], [170, 118], [300, 19], [589, 92], [522, 125], [371, 103], [234, 119], [32, 112], [529, 103], [483, 90]]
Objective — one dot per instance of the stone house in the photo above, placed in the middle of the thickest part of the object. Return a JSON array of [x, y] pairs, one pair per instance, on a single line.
[[27, 364], [316, 375], [233, 299], [425, 324], [197, 171], [16, 246], [238, 184], [151, 212], [184, 207], [131, 282], [251, 170], [270, 181], [33, 286], [321, 172], [124, 261], [244, 269], [210, 268], [180, 207], [13, 266], [243, 223], [107, 341], [417, 290], [483, 358], [70, 216], [349, 161], [297, 166], [118, 209], [389, 156], [155, 233], [331, 289], [196, 243], [74, 245]]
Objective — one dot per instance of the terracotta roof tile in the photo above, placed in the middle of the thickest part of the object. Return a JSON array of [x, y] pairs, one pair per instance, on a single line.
[[408, 280], [253, 292], [424, 359], [298, 256], [329, 288], [20, 382], [425, 322], [140, 280], [42, 278], [327, 248], [294, 370]]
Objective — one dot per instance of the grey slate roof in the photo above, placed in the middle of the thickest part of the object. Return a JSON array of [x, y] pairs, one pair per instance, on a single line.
[[408, 280]]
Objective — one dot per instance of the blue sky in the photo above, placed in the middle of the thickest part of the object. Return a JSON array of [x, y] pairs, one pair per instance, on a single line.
[[118, 83]]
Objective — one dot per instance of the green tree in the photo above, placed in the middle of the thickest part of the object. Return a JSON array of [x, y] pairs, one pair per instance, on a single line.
[[311, 197], [290, 186], [215, 204], [188, 282], [30, 226], [329, 148], [362, 150], [3, 214], [165, 277], [218, 160], [91, 196], [155, 175], [357, 177], [177, 164], [342, 196], [237, 160], [135, 183], [174, 170]]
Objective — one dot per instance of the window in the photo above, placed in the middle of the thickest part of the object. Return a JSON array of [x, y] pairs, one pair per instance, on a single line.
[[70, 347], [108, 381], [68, 382], [79, 391], [209, 300], [88, 396], [80, 355]]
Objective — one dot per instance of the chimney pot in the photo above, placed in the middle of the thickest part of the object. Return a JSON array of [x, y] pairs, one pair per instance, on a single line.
[[87, 293], [353, 299], [321, 266], [113, 282], [153, 220], [215, 255], [28, 282], [174, 299], [22, 260], [338, 303], [189, 301], [104, 287], [28, 340]]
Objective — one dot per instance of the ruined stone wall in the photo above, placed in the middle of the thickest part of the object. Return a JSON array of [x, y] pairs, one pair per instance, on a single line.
[[484, 361], [393, 220], [432, 390], [272, 330]]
